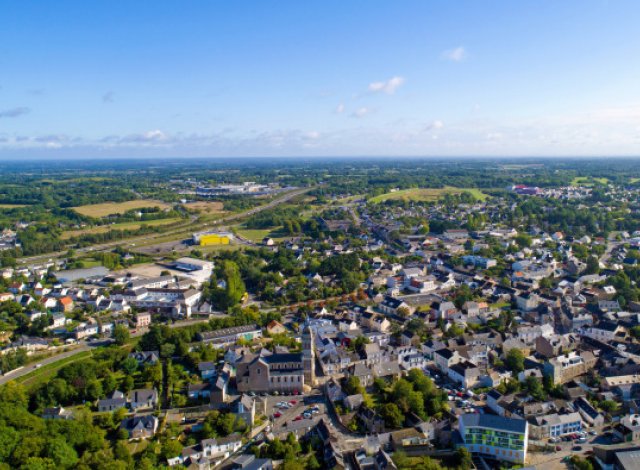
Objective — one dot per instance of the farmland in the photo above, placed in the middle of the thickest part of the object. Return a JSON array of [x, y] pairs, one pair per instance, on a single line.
[[426, 194], [587, 181], [108, 208], [123, 226], [205, 207]]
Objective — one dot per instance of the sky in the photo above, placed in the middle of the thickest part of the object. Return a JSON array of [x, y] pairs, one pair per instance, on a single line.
[[442, 78]]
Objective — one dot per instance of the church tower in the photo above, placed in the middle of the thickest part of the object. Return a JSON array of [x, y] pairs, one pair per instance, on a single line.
[[308, 357]]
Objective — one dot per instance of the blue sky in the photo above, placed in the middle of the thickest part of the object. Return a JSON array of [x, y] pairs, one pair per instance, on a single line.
[[288, 78]]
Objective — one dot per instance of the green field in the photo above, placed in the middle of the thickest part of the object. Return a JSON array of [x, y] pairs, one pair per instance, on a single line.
[[122, 226], [11, 206], [257, 235], [108, 208], [426, 194], [587, 181]]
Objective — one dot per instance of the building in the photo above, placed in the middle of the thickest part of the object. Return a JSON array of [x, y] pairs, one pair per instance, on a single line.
[[495, 437], [140, 427], [308, 356], [143, 319], [228, 336], [143, 399], [212, 238], [569, 366], [555, 425], [268, 373]]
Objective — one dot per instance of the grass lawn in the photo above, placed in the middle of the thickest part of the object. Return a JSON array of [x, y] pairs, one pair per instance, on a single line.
[[108, 208], [257, 235], [47, 372], [631, 180], [427, 194], [587, 181], [122, 226]]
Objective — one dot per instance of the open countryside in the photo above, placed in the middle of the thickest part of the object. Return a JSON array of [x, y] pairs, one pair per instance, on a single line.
[[109, 208], [426, 194]]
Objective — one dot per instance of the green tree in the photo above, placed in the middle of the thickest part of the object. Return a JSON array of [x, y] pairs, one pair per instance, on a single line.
[[514, 360], [393, 417], [121, 334]]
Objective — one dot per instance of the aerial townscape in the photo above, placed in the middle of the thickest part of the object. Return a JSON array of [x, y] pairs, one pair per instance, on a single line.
[[320, 235], [358, 314]]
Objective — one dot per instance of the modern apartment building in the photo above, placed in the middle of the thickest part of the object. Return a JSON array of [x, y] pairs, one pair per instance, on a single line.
[[494, 436]]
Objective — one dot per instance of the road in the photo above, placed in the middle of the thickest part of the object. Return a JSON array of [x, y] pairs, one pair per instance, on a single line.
[[14, 374], [82, 347], [192, 226]]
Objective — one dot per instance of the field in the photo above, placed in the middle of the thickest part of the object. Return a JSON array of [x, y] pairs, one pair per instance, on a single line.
[[11, 206], [108, 208], [256, 236], [426, 194], [123, 226], [205, 207], [587, 181]]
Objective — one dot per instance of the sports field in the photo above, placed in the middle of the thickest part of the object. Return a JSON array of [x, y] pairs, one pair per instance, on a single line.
[[427, 194], [108, 208]]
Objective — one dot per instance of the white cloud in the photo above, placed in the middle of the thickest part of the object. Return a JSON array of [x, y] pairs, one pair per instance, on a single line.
[[434, 126], [339, 109], [455, 55], [389, 87], [361, 112], [312, 135]]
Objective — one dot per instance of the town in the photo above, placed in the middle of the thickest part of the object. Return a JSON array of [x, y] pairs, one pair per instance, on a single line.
[[338, 327]]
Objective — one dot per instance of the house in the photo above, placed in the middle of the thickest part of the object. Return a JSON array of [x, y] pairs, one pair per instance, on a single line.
[[275, 327], [208, 370], [628, 430], [57, 413], [145, 357], [527, 302], [563, 368], [604, 331], [222, 446], [556, 425], [114, 401], [372, 421], [143, 319], [140, 427], [494, 436], [445, 358], [143, 399], [245, 407], [198, 391], [353, 402], [391, 305], [65, 304], [588, 412], [465, 373]]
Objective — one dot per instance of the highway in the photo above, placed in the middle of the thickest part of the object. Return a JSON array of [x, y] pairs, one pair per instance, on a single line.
[[191, 226]]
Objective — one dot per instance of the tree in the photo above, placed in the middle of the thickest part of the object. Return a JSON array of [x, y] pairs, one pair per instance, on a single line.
[[121, 334], [392, 416], [593, 265], [352, 386], [129, 366], [464, 458], [171, 448], [535, 388], [515, 360]]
